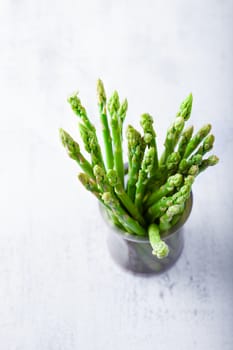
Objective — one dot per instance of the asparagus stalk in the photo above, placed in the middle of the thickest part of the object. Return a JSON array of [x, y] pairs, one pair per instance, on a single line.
[[146, 122], [73, 151], [114, 181], [196, 159], [174, 132], [184, 192], [144, 173], [105, 183], [211, 161], [178, 204], [80, 111], [101, 178], [90, 185], [114, 103], [196, 140], [185, 138], [104, 121], [165, 220], [172, 183], [155, 182], [136, 147], [122, 215], [206, 146], [158, 208], [194, 170], [113, 107], [172, 163], [91, 145], [122, 114], [184, 166], [168, 170], [186, 108], [196, 164], [189, 165], [160, 248]]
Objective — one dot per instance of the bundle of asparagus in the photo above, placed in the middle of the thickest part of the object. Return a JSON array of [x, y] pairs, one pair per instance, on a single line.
[[153, 198]]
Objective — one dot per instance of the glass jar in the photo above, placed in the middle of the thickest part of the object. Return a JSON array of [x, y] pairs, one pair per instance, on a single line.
[[134, 253]]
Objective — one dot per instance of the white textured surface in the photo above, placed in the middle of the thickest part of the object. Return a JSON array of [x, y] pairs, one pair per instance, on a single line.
[[59, 289]]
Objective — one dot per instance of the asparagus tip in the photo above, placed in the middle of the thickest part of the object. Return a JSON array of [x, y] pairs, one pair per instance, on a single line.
[[213, 160], [161, 250], [101, 92]]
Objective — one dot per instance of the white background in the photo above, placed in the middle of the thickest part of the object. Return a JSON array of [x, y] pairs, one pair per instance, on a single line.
[[59, 289]]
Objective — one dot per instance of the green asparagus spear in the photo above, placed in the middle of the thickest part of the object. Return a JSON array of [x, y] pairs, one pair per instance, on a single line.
[[172, 163], [193, 170], [73, 151], [176, 208], [196, 140], [185, 138], [171, 137], [188, 181], [122, 114], [101, 178], [174, 132], [172, 183], [155, 182], [86, 136], [169, 169], [90, 185], [136, 147], [184, 192], [189, 166], [114, 103], [160, 248], [201, 165], [158, 208], [91, 145], [146, 122], [196, 159], [184, 166], [206, 146], [104, 120], [211, 161], [166, 219], [144, 173], [134, 140], [122, 215], [186, 108], [114, 181], [113, 108], [80, 111]]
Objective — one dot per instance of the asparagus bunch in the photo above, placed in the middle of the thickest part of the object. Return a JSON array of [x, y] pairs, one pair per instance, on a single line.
[[151, 198]]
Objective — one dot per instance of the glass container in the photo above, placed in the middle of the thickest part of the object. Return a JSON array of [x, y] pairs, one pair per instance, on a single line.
[[134, 253]]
